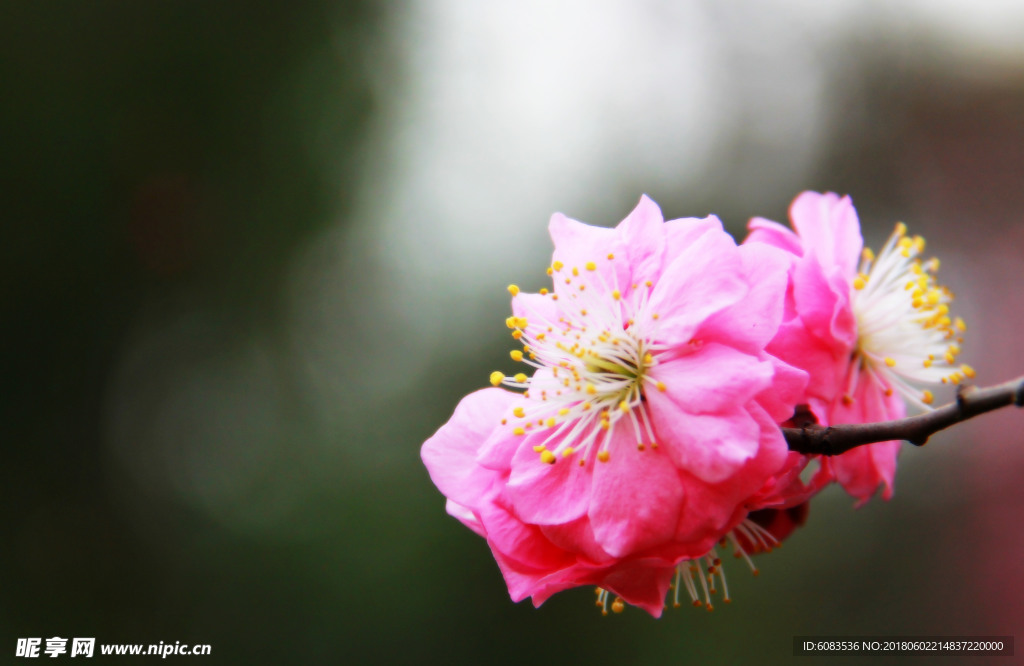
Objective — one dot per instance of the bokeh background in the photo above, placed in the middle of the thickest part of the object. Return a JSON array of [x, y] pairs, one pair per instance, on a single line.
[[254, 253]]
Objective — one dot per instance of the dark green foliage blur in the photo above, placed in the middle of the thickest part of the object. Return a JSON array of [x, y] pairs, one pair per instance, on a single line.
[[164, 166]]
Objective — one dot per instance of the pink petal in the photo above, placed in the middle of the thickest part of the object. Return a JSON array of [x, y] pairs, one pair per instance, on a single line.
[[539, 310], [578, 537], [519, 541], [548, 494], [824, 363], [450, 455], [774, 234], [713, 378], [682, 233], [861, 470], [637, 496], [642, 236], [787, 390], [576, 245], [702, 279], [829, 229], [713, 509], [464, 516], [711, 447], [750, 323], [641, 583]]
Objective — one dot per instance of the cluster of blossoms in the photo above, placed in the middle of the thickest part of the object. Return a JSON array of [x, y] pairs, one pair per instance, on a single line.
[[644, 441]]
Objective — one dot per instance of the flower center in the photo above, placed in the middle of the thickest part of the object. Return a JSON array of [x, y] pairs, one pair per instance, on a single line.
[[905, 335], [591, 360]]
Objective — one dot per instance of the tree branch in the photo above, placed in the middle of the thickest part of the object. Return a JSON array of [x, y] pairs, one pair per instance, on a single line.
[[970, 401]]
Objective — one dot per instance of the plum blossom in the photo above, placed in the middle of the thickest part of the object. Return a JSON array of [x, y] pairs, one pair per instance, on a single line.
[[871, 331], [643, 434]]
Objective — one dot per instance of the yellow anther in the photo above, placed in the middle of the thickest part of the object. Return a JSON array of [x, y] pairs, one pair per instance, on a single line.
[[616, 294], [901, 229], [889, 361], [933, 297], [543, 291], [655, 316], [648, 359], [591, 389], [859, 283], [510, 322], [661, 387], [624, 406], [520, 377], [960, 325], [549, 271], [927, 397], [563, 411], [867, 254], [618, 605], [567, 451], [954, 350], [539, 447], [496, 378], [518, 431], [547, 457], [586, 406], [648, 283], [927, 363], [591, 266], [513, 289], [519, 411], [521, 322], [949, 358], [516, 355], [550, 422], [605, 425], [575, 271], [610, 256], [603, 456], [517, 334], [557, 265]]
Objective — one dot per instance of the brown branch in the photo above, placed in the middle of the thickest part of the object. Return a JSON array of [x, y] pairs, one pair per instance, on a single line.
[[970, 401]]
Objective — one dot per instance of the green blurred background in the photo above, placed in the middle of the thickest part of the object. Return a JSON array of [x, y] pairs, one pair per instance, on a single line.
[[253, 255]]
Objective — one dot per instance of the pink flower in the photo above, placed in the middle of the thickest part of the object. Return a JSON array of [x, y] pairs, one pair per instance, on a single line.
[[867, 330], [648, 430]]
